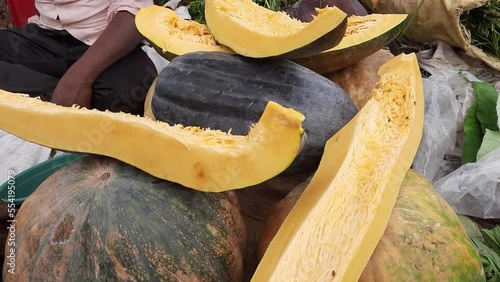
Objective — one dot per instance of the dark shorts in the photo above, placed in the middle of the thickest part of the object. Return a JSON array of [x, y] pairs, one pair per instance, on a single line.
[[32, 60]]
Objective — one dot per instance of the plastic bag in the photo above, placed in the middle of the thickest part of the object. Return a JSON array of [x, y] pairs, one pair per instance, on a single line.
[[440, 126], [448, 96], [474, 188]]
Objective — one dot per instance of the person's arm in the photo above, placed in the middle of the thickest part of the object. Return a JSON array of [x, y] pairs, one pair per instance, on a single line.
[[118, 39]]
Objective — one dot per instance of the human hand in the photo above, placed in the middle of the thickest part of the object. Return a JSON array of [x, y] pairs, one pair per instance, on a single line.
[[73, 89]]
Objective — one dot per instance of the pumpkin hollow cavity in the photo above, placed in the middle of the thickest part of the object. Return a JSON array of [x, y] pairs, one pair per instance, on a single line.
[[364, 36], [254, 31], [172, 36], [203, 159], [343, 212], [366, 28]]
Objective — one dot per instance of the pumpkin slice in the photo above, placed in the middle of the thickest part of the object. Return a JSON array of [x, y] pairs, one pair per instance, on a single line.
[[205, 160], [422, 218], [365, 35], [233, 97], [254, 31], [171, 35], [336, 224]]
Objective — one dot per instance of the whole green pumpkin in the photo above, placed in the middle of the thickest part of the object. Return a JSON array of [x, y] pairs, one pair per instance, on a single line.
[[229, 92], [99, 219], [424, 239]]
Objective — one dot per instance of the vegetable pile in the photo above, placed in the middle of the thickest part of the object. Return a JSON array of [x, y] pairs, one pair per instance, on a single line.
[[253, 98]]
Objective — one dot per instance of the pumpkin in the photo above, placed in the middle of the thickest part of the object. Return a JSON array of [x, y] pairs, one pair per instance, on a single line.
[[205, 160], [359, 79], [424, 239], [99, 219], [334, 227], [472, 228], [148, 112], [365, 35], [254, 31], [171, 35], [229, 92]]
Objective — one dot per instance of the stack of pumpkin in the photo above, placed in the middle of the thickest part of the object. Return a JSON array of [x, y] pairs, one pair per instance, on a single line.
[[157, 199]]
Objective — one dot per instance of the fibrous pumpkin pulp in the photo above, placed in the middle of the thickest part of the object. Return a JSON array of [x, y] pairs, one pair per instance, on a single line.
[[171, 35], [206, 160], [338, 221], [364, 36], [424, 239], [230, 92], [254, 31]]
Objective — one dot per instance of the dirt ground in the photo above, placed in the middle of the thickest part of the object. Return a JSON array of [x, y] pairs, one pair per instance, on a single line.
[[5, 18]]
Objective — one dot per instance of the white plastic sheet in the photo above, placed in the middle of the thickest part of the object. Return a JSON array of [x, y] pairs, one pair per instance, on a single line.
[[474, 188], [447, 98]]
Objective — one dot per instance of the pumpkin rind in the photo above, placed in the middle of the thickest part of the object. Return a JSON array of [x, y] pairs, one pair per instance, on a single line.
[[424, 240], [229, 92], [205, 160], [171, 35], [254, 31], [426, 233], [356, 45], [148, 112], [336, 224], [99, 219]]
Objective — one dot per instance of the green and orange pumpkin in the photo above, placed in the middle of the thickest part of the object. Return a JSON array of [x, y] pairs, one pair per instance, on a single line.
[[424, 240], [99, 219]]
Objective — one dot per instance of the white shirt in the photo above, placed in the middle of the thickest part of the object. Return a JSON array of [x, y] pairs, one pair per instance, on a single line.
[[84, 19]]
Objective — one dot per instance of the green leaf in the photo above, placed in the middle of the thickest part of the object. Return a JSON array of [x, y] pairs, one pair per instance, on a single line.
[[492, 237], [491, 141], [486, 100], [473, 136], [489, 259]]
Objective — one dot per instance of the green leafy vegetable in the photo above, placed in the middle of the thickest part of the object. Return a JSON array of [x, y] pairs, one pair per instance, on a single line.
[[491, 141], [489, 259], [484, 26], [481, 116], [492, 237], [486, 97], [473, 136], [197, 9], [489, 252]]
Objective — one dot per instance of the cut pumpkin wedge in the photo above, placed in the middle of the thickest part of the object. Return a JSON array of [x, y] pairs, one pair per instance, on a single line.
[[364, 36], [254, 31], [206, 160], [172, 36], [335, 225]]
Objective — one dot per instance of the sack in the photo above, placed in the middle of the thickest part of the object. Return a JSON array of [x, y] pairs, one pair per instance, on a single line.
[[437, 20]]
